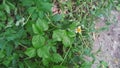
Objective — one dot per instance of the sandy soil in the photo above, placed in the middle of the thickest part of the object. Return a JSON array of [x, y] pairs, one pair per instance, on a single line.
[[109, 41]]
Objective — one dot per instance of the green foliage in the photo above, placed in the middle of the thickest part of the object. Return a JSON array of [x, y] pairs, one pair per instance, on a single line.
[[43, 52], [33, 36], [31, 52], [38, 41]]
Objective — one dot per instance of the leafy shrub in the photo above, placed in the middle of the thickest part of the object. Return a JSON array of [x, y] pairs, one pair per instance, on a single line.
[[32, 36]]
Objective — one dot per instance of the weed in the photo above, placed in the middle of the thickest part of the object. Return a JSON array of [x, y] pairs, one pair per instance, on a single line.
[[48, 34]]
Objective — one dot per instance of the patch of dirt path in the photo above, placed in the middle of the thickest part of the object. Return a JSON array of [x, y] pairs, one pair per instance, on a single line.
[[109, 41]]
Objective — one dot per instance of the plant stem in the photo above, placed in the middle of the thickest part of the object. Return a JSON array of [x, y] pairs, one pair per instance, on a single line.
[[66, 55]]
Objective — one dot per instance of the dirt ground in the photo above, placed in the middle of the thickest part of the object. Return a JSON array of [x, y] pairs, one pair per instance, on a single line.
[[109, 41]]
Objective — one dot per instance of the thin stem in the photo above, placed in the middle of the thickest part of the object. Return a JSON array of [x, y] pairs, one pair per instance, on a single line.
[[23, 46], [83, 40], [51, 21], [66, 55], [27, 19]]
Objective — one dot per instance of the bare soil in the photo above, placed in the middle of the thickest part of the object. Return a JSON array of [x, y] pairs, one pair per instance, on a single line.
[[108, 42]]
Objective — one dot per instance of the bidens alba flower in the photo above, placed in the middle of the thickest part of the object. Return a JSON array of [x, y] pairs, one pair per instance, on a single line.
[[78, 29]]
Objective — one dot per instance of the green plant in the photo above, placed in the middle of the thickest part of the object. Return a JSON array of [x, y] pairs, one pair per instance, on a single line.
[[32, 36]]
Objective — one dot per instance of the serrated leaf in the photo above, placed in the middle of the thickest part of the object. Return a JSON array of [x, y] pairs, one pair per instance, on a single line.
[[46, 6], [35, 29], [57, 17], [73, 25], [66, 41], [42, 24], [31, 52], [71, 33], [57, 58], [38, 41], [45, 61], [61, 35], [41, 14], [31, 10], [57, 35], [43, 52]]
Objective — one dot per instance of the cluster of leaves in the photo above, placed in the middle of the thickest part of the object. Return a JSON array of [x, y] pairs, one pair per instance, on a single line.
[[33, 37]]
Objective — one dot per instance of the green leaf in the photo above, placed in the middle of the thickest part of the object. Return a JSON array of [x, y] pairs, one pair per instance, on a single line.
[[46, 6], [31, 10], [7, 8], [21, 65], [9, 49], [43, 52], [41, 14], [45, 61], [104, 64], [42, 24], [7, 61], [57, 17], [71, 33], [31, 52], [35, 29], [61, 35], [118, 7], [57, 58], [27, 2], [66, 41], [73, 25], [57, 35], [38, 41], [2, 16], [59, 66], [2, 55], [86, 65], [11, 5]]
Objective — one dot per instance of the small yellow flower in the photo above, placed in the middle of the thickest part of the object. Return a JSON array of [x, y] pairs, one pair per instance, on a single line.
[[78, 29]]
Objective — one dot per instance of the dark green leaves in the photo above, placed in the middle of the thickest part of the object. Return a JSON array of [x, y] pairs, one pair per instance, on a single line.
[[2, 55], [46, 6], [61, 35], [66, 41], [40, 26], [57, 58], [57, 17], [27, 2], [38, 41], [7, 8], [43, 52], [31, 52], [35, 29], [57, 35]]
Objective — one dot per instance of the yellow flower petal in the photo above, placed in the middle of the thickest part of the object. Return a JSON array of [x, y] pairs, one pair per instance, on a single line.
[[78, 30]]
